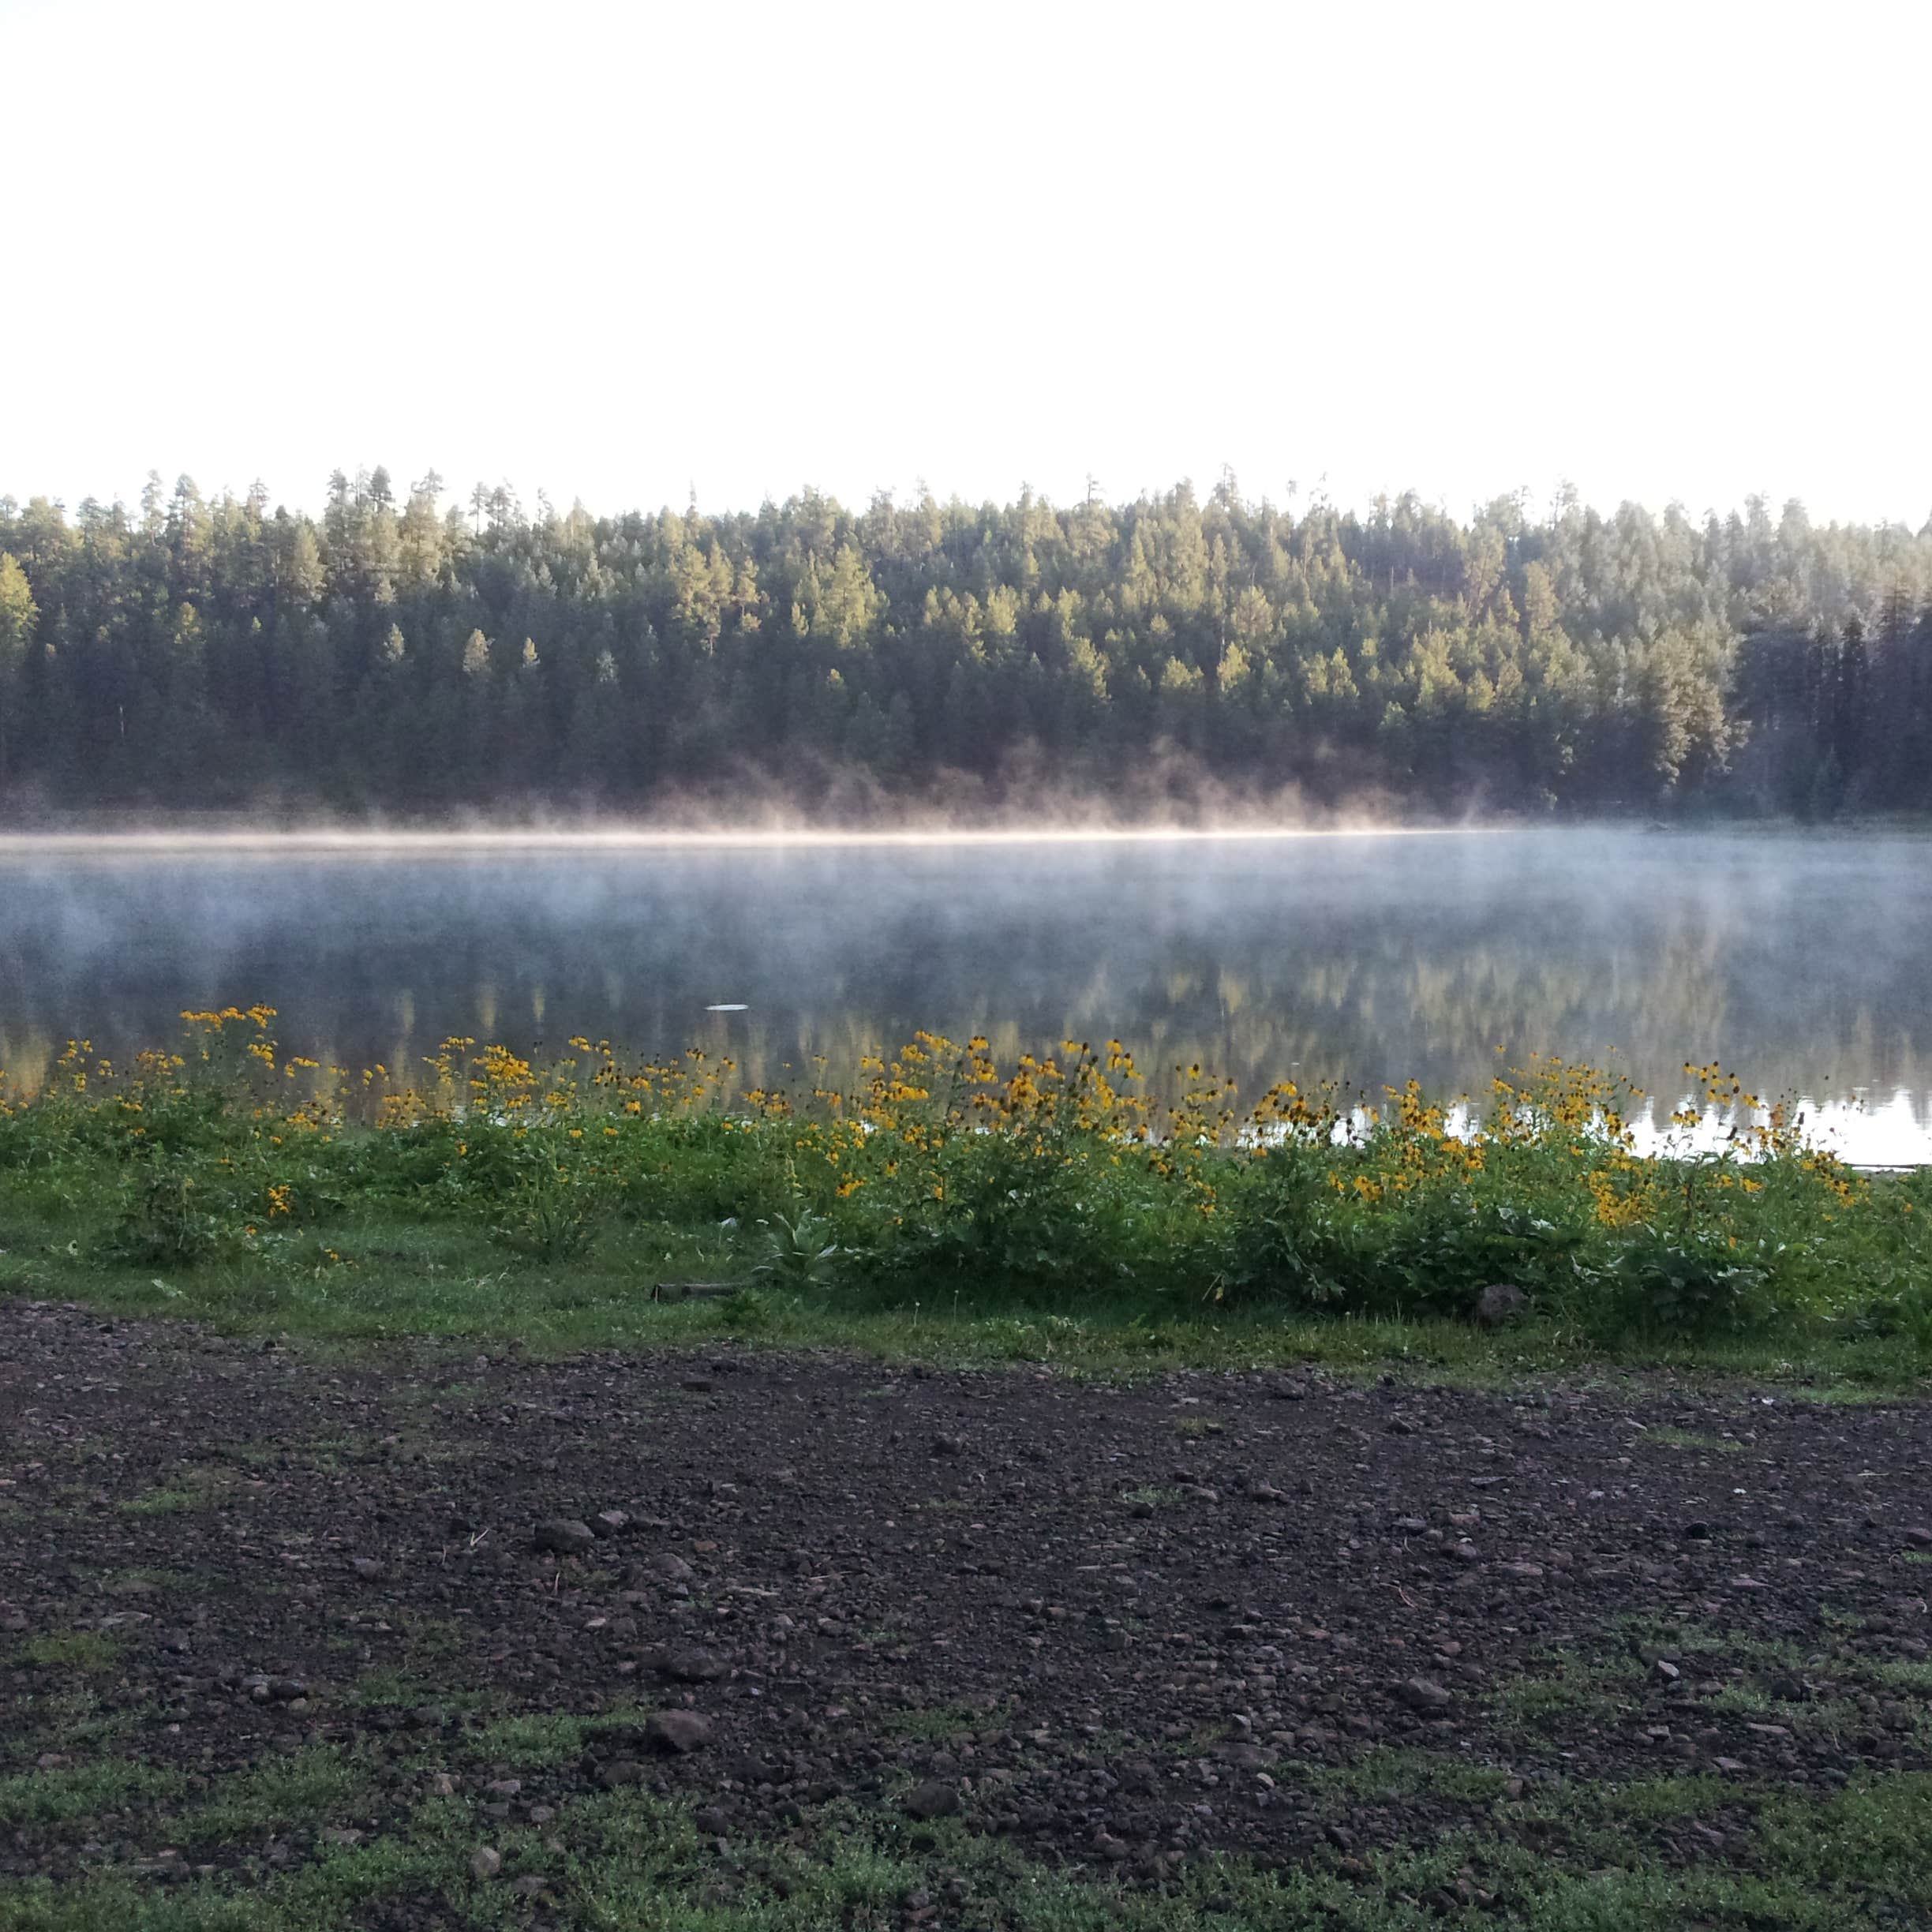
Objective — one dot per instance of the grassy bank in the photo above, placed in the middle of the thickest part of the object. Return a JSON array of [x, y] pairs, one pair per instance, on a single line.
[[946, 1205]]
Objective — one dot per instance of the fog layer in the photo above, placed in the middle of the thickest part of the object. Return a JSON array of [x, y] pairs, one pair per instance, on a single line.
[[1798, 961]]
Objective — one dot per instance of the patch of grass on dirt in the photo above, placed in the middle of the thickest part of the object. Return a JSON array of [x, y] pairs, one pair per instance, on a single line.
[[1412, 1773], [1570, 1688], [402, 1687], [160, 1503], [1916, 1678], [1859, 1861], [1688, 1795], [935, 1723], [91, 1791], [530, 1738], [90, 1652], [307, 1786], [1669, 1438]]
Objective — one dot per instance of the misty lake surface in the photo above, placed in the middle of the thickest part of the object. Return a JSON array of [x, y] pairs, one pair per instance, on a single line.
[[1799, 960]]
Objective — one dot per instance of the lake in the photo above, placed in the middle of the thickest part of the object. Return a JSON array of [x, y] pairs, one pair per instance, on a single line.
[[1800, 960]]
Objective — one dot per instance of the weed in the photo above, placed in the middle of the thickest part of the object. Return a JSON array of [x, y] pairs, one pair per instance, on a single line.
[[799, 1250]]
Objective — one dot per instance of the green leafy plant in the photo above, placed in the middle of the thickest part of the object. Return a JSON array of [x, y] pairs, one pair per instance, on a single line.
[[551, 1215], [1689, 1282], [161, 1223], [800, 1250]]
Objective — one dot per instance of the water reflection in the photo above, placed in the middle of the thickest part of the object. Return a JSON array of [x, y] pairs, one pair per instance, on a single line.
[[1798, 960]]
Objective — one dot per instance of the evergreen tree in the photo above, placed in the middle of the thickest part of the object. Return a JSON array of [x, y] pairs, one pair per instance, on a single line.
[[200, 650]]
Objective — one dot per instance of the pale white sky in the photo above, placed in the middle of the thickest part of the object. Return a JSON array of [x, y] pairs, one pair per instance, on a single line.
[[619, 251]]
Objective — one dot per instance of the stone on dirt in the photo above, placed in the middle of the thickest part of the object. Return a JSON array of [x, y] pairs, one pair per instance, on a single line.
[[1499, 1304], [678, 1732], [695, 1666], [564, 1534], [1421, 1694]]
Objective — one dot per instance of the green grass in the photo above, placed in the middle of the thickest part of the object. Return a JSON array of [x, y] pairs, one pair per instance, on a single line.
[[603, 1302], [307, 1787], [1856, 1862], [160, 1503], [934, 1724], [87, 1791], [1038, 1213], [1664, 1437], [88, 1652]]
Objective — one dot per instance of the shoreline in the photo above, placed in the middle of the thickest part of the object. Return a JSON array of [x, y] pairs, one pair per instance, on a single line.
[[228, 836]]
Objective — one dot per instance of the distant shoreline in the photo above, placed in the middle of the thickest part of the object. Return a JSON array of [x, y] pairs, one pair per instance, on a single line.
[[232, 833], [648, 838]]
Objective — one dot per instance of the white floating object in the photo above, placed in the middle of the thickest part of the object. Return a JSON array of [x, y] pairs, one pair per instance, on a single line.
[[728, 1006]]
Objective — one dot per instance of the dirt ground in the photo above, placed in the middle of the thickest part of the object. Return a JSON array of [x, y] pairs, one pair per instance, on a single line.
[[1281, 1616]]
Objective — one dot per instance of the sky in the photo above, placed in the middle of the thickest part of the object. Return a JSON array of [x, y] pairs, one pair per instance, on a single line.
[[631, 253]]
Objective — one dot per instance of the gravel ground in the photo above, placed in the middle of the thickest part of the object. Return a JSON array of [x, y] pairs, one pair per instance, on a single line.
[[1295, 1619]]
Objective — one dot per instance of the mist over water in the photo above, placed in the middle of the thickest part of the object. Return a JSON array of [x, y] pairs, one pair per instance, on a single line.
[[1799, 960]]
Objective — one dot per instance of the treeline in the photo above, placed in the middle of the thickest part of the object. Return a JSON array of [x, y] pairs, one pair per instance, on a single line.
[[403, 652]]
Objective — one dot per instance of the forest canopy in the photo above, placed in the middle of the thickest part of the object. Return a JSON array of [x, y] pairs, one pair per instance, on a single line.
[[407, 653]]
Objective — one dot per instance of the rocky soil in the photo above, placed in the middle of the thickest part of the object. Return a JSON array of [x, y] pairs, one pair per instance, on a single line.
[[1124, 1625]]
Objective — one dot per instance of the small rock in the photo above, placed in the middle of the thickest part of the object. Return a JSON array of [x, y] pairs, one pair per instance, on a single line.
[[672, 1567], [948, 1445], [1421, 1694], [1499, 1304], [607, 1522], [1917, 1536], [485, 1862], [367, 1568], [934, 1799], [695, 1666], [677, 1730], [711, 1821], [565, 1535], [1667, 1670]]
